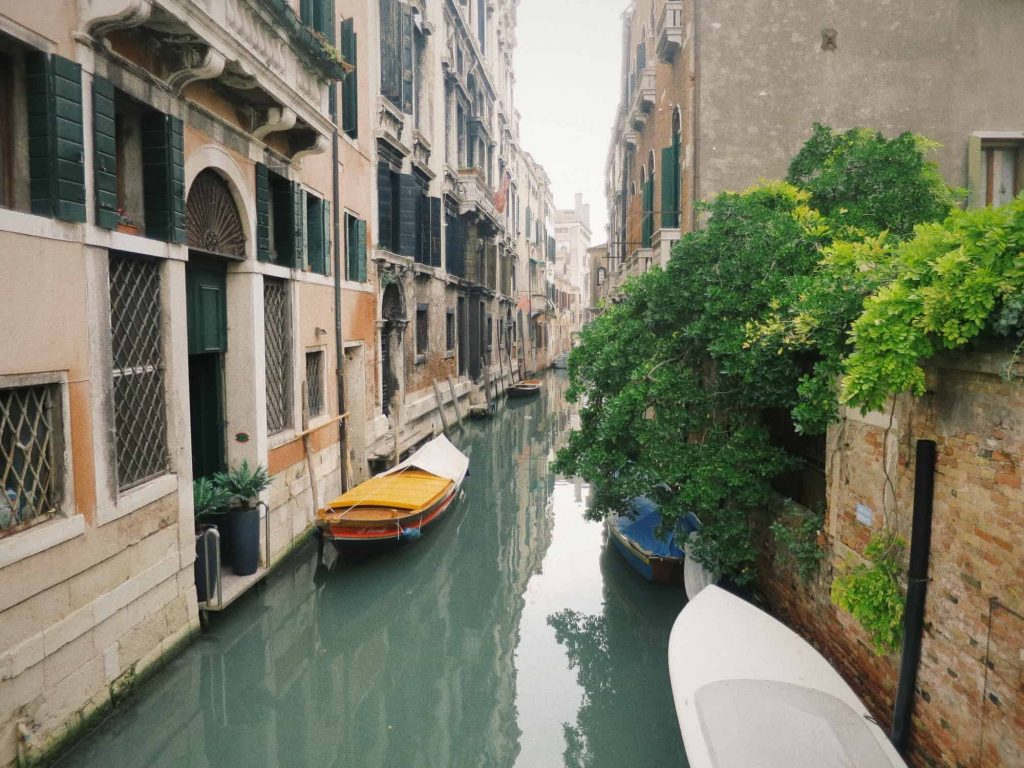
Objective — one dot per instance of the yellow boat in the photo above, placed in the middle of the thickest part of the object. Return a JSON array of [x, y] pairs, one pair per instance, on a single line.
[[398, 504]]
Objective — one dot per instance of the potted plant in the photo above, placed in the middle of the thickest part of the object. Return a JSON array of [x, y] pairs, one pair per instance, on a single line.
[[243, 485], [208, 500]]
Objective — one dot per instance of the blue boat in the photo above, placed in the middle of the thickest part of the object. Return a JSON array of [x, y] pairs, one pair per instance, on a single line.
[[634, 535]]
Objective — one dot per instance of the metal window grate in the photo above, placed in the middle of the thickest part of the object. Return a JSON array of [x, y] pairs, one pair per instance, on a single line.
[[29, 472], [315, 382], [277, 335], [140, 418], [422, 329]]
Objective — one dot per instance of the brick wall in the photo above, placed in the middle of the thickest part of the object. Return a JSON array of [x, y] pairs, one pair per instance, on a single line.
[[969, 708]]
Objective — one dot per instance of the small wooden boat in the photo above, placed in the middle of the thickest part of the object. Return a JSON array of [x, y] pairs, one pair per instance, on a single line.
[[524, 388], [399, 504], [751, 693], [659, 559]]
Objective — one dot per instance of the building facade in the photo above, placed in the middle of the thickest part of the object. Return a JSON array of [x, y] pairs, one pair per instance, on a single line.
[[572, 264]]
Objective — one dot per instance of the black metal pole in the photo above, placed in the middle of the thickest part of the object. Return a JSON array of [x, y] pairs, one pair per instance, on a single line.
[[917, 589]]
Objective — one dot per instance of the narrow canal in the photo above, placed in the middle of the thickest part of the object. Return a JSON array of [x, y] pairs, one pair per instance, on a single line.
[[510, 635]]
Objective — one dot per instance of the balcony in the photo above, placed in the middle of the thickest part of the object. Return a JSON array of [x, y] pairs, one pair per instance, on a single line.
[[643, 98], [475, 196], [255, 53], [671, 30]]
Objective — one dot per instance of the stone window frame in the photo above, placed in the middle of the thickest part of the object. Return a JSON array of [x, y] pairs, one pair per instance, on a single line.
[[422, 336], [451, 333], [66, 523], [977, 144]]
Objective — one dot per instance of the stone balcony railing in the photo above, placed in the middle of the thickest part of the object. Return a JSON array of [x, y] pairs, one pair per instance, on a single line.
[[643, 98], [261, 56], [476, 195], [671, 31]]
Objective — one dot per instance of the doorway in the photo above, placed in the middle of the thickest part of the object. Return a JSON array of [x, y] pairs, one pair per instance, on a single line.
[[207, 343]]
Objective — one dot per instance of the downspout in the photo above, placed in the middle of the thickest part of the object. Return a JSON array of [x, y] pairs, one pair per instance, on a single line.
[[917, 588], [339, 339], [695, 117]]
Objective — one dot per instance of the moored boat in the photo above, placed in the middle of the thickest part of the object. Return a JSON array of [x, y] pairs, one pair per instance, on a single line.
[[751, 693], [659, 559], [561, 362], [399, 504], [524, 388]]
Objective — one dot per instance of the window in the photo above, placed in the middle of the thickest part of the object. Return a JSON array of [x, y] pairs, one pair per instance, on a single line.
[[277, 342], [31, 455], [422, 332], [140, 416], [315, 383], [349, 86], [355, 248], [281, 216], [318, 234], [397, 54], [1002, 169], [449, 331], [670, 175], [318, 15]]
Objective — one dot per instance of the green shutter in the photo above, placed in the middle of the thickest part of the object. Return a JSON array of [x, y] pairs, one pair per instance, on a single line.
[[529, 223], [670, 187], [326, 219], [298, 225], [647, 215], [206, 309], [407, 60], [263, 203], [361, 248], [327, 20], [385, 209], [349, 87], [104, 152], [306, 12], [318, 227], [163, 177], [55, 139]]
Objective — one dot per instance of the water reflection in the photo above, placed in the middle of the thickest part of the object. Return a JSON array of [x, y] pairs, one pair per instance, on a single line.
[[445, 653]]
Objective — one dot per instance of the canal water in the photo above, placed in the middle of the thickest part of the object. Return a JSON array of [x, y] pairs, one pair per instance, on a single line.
[[511, 636]]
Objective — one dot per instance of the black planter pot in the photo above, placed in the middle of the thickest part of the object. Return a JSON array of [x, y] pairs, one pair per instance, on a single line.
[[206, 572], [245, 540]]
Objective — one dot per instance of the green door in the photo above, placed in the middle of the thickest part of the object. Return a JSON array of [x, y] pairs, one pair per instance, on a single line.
[[207, 342]]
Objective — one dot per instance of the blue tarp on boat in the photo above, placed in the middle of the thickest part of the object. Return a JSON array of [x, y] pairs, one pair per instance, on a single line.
[[643, 528]]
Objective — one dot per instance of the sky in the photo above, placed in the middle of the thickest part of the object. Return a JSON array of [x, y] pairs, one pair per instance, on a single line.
[[567, 66]]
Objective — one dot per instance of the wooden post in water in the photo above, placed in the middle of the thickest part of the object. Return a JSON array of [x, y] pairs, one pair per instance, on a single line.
[[487, 386], [455, 403], [440, 407]]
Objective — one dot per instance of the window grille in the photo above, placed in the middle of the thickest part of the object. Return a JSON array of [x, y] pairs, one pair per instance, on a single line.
[[30, 431], [277, 338], [422, 329], [315, 382], [449, 331], [140, 419]]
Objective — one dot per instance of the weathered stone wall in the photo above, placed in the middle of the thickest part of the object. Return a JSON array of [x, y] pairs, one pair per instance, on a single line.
[[969, 708]]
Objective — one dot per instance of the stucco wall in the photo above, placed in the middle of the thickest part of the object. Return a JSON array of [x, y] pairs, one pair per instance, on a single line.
[[943, 69]]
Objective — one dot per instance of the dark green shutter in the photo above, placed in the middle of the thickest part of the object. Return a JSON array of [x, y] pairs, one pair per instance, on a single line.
[[315, 238], [408, 51], [104, 135], [384, 207], [327, 20], [55, 140], [408, 200], [284, 218], [163, 177], [647, 218], [529, 223], [361, 248], [349, 87], [263, 207], [435, 232], [326, 225], [207, 309], [670, 187], [298, 224], [306, 12]]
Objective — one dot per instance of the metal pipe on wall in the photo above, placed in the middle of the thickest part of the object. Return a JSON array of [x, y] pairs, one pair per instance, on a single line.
[[339, 339], [917, 590]]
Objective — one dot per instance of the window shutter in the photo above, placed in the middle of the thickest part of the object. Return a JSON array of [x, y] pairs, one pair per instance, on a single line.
[[163, 173], [435, 232], [647, 218], [407, 60], [55, 141], [384, 208], [327, 20], [390, 51], [361, 248], [306, 12], [670, 187], [529, 223], [104, 153], [315, 239], [325, 219], [455, 250], [284, 223], [263, 204], [349, 88], [298, 225], [408, 195]]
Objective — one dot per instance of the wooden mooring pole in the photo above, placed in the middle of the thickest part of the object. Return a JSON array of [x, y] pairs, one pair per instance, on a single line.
[[455, 403]]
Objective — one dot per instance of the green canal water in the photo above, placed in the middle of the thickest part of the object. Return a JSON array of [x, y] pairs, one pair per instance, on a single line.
[[511, 635]]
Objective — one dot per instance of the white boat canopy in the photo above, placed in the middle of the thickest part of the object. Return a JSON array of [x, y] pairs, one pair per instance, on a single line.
[[438, 457]]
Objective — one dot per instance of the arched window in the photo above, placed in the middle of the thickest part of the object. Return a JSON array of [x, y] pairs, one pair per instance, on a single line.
[[212, 222]]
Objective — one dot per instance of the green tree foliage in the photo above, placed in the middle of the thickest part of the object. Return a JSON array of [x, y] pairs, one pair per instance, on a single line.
[[751, 314], [871, 592]]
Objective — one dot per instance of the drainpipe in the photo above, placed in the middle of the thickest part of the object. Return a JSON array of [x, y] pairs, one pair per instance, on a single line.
[[695, 118], [339, 339], [917, 588]]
